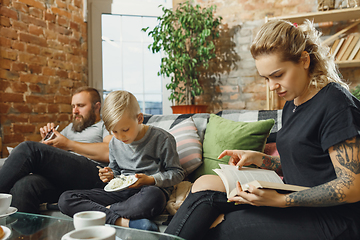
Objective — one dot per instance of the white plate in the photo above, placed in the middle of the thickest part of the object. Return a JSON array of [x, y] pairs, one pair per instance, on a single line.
[[11, 210], [133, 180], [7, 232]]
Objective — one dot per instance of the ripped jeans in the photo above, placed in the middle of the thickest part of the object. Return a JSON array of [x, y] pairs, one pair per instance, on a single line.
[[199, 210]]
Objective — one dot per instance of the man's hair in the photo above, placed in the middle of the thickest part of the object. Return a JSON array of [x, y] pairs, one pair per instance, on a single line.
[[94, 94], [116, 104]]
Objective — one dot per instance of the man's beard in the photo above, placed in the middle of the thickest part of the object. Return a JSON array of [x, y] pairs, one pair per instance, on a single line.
[[80, 125]]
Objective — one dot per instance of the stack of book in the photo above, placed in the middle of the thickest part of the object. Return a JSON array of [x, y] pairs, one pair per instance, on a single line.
[[346, 48]]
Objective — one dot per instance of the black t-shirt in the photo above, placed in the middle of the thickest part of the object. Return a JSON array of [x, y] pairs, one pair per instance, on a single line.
[[330, 117]]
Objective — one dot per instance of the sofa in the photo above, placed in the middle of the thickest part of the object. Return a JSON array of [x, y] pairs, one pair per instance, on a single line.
[[201, 137]]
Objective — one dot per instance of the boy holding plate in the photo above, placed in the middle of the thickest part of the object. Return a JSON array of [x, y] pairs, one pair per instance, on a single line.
[[145, 152]]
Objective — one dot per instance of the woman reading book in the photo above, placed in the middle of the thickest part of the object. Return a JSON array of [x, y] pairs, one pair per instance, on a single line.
[[319, 147]]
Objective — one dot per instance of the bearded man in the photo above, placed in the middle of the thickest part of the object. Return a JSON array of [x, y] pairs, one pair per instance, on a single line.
[[38, 172]]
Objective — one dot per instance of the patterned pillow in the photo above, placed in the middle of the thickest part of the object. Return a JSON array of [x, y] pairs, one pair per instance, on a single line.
[[188, 145]]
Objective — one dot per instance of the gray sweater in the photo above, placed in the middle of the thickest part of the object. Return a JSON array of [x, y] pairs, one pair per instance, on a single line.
[[154, 155]]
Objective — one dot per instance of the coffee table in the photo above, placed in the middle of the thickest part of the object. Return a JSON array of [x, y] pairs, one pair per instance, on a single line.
[[34, 226]]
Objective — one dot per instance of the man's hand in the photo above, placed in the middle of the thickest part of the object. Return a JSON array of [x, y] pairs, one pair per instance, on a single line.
[[46, 129], [59, 141], [143, 179]]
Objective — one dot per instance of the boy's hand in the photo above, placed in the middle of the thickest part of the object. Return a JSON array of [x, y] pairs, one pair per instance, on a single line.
[[143, 179], [106, 174]]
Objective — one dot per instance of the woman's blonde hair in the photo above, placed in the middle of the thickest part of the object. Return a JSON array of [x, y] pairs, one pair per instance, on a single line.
[[116, 104], [290, 41]]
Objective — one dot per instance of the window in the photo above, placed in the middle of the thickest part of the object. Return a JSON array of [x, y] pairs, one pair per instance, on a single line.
[[124, 62]]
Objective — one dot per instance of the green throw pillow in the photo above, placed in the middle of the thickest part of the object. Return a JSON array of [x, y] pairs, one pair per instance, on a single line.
[[223, 134]]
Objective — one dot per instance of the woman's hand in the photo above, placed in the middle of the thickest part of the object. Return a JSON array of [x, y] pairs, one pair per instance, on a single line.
[[242, 158], [143, 179], [106, 174], [258, 197]]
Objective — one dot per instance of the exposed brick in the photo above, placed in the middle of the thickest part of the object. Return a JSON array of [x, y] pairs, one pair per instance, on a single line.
[[19, 25], [39, 98], [42, 79], [23, 128], [9, 33], [63, 39], [61, 12], [5, 63], [18, 45], [65, 108], [60, 56], [35, 69], [49, 71], [19, 87], [75, 26], [10, 75], [17, 67], [11, 97], [63, 117], [63, 21], [30, 78], [29, 19], [42, 118], [22, 108], [61, 3], [47, 52], [11, 138], [8, 54], [34, 3], [35, 12], [35, 88], [53, 108], [62, 74], [21, 7], [33, 137], [40, 108], [33, 49], [7, 12], [78, 3], [50, 17], [11, 118], [5, 42], [5, 2], [33, 39], [4, 21], [4, 84], [38, 31], [62, 99], [4, 108]]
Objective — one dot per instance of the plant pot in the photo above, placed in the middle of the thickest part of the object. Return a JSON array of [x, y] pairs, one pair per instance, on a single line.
[[182, 109]]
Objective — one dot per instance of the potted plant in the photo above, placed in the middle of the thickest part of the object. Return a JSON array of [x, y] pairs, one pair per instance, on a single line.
[[185, 36]]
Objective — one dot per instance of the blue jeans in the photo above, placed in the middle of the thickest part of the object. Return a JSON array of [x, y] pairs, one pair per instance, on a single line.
[[144, 202], [35, 173], [199, 210]]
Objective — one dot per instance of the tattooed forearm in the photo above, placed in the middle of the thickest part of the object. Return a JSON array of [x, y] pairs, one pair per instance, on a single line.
[[273, 163], [328, 194], [347, 154]]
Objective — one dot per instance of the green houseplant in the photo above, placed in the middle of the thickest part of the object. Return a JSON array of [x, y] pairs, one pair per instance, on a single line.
[[185, 36]]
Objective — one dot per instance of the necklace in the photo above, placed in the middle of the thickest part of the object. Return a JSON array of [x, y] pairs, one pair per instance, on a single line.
[[295, 108]]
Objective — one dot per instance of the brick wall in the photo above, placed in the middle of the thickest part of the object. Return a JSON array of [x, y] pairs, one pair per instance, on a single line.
[[43, 57], [240, 87]]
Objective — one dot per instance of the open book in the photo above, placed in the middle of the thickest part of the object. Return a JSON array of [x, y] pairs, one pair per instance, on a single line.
[[259, 178]]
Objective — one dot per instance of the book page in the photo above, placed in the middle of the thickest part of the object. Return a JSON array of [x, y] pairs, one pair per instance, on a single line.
[[246, 175]]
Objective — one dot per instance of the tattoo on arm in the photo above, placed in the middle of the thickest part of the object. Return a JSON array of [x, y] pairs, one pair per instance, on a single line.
[[332, 193], [328, 194], [273, 163], [347, 154]]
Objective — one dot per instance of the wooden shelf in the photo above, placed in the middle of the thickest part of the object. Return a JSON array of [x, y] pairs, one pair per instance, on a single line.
[[345, 14], [348, 64]]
